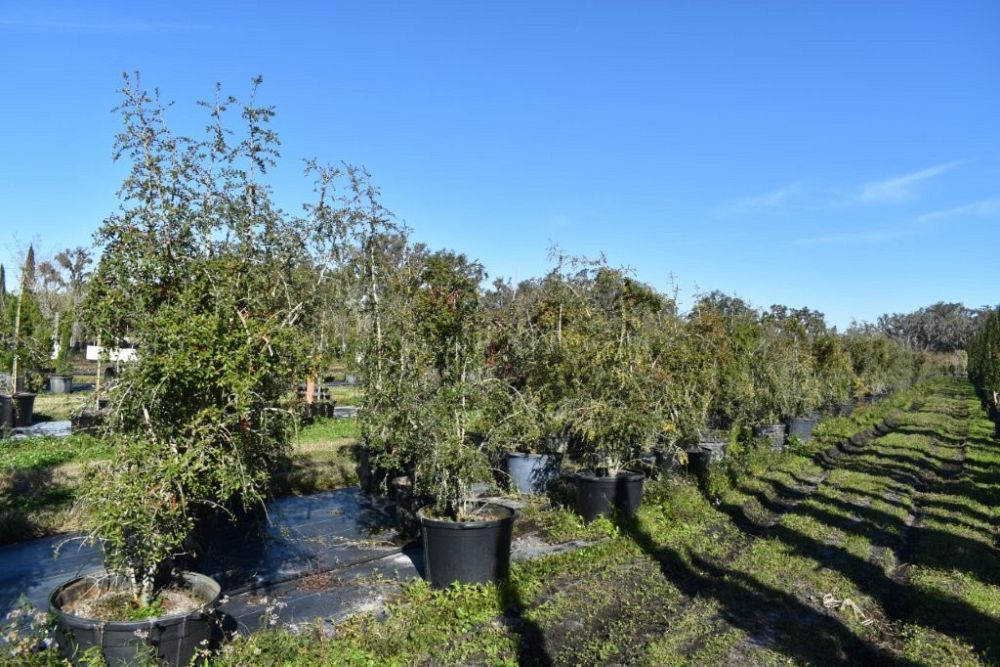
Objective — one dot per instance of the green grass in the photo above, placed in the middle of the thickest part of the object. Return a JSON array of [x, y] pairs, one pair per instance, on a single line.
[[328, 431], [789, 563], [47, 452], [39, 477], [59, 407]]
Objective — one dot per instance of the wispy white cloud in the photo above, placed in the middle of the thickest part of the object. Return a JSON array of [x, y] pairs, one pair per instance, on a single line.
[[763, 202], [856, 238], [900, 188], [979, 209]]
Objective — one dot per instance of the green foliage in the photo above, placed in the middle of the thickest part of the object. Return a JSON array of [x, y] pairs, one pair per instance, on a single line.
[[880, 363], [205, 276], [984, 356], [617, 414], [940, 327], [728, 330], [25, 334], [425, 386], [63, 365], [833, 369]]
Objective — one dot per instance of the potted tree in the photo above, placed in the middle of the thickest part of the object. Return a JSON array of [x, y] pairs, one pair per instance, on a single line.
[[528, 357], [210, 284], [29, 345], [834, 373], [528, 435], [61, 382], [617, 413], [425, 392], [784, 382]]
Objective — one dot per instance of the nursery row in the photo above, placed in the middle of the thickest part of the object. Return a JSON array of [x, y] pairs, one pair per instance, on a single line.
[[231, 302]]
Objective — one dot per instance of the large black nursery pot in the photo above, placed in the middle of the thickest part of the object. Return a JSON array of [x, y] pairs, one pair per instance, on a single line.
[[467, 552], [710, 449], [602, 496], [802, 427], [773, 432], [533, 474], [175, 638], [61, 384], [24, 408]]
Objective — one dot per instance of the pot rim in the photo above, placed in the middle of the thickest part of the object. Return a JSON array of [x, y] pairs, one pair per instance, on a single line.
[[593, 478], [132, 625], [426, 520], [533, 455]]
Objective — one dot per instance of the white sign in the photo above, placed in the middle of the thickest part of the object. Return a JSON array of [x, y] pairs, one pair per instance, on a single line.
[[114, 354]]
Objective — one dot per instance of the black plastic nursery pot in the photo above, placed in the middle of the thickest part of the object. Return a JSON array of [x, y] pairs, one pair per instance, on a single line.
[[24, 408], [61, 384], [87, 421], [773, 432], [533, 474], [706, 453], [175, 638], [467, 552], [802, 427], [601, 496]]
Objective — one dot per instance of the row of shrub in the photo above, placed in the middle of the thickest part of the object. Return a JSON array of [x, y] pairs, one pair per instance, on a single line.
[[585, 357]]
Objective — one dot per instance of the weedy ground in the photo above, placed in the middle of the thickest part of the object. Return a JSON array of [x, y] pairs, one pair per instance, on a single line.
[[40, 477], [878, 550]]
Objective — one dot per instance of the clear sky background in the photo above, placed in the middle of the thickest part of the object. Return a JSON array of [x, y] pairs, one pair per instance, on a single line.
[[839, 155]]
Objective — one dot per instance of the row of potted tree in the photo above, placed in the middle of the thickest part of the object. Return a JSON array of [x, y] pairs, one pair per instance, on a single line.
[[584, 363], [37, 325]]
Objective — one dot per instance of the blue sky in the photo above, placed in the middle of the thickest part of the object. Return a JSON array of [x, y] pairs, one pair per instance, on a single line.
[[840, 155]]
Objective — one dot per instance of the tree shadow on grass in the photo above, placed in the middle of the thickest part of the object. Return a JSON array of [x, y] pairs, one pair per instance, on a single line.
[[531, 649], [771, 617], [901, 602]]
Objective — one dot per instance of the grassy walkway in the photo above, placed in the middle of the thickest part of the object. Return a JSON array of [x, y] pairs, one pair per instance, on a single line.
[[879, 551]]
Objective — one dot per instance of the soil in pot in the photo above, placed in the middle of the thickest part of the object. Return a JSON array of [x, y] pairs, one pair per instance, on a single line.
[[602, 496], [185, 622], [533, 474], [467, 552], [24, 408]]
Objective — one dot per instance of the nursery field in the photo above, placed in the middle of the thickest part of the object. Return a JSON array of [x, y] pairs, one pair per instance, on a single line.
[[866, 549], [40, 477]]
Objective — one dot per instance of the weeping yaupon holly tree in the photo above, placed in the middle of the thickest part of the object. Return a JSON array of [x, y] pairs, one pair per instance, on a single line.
[[216, 288]]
